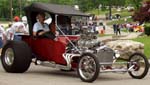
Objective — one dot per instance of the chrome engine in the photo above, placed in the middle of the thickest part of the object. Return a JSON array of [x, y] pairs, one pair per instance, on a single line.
[[88, 41]]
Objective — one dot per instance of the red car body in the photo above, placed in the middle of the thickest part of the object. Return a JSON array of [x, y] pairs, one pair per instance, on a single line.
[[48, 49]]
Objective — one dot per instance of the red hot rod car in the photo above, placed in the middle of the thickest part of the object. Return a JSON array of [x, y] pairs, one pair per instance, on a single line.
[[67, 52]]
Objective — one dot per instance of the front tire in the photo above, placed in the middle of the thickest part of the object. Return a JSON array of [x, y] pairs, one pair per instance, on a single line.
[[140, 65], [88, 67], [16, 57]]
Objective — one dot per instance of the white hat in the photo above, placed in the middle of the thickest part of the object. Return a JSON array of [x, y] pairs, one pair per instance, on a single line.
[[24, 19]]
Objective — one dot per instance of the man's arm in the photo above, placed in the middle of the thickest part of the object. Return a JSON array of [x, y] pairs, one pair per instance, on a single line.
[[38, 33]]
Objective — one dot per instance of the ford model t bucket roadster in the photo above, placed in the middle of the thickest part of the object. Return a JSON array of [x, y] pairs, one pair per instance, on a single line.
[[82, 53]]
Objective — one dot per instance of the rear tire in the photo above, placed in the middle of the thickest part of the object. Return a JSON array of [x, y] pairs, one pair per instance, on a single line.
[[16, 57], [88, 67]]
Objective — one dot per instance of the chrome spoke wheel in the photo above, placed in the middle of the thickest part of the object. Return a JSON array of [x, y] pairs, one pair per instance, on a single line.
[[88, 67], [138, 65]]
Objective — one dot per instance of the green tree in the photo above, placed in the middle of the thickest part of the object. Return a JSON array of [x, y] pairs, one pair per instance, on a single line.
[[86, 5], [135, 3], [4, 9], [65, 2]]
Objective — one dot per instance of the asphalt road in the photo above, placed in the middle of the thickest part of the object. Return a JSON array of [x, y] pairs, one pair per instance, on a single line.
[[38, 75]]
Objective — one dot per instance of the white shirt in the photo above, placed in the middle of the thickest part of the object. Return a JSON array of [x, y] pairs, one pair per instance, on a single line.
[[128, 25], [38, 26], [9, 34], [2, 31], [18, 27]]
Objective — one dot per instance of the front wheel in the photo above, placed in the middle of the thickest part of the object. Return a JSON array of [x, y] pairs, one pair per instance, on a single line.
[[138, 65], [88, 67]]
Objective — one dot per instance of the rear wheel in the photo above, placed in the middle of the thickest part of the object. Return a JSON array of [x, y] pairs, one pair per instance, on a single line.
[[88, 67], [138, 65], [16, 57]]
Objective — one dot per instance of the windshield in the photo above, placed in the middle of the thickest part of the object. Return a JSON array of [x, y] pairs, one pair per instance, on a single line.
[[69, 26]]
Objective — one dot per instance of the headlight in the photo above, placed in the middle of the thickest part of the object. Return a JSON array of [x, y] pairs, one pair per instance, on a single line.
[[117, 54]]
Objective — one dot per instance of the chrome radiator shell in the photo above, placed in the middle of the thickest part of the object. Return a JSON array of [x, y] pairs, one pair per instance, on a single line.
[[105, 55]]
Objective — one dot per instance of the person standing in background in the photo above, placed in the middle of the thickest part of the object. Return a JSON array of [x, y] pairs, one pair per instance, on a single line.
[[2, 34], [18, 28], [114, 28], [118, 27], [9, 32]]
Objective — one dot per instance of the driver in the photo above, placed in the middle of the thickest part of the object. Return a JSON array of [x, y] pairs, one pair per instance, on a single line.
[[41, 29]]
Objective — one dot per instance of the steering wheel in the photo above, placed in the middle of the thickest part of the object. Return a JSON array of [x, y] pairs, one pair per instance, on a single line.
[[47, 34]]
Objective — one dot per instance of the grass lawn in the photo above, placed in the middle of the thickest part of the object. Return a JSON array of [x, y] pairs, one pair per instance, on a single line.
[[146, 41], [121, 21], [97, 12], [123, 13], [5, 23]]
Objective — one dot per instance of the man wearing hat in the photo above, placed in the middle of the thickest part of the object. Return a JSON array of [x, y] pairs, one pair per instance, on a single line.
[[18, 28]]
